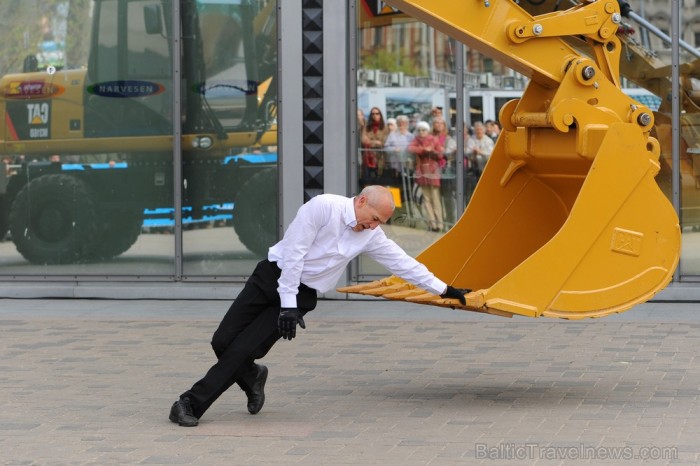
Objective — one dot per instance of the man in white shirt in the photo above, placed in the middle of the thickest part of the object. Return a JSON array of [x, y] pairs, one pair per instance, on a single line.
[[326, 234]]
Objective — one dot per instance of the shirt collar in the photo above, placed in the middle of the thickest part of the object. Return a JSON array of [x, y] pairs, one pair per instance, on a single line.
[[349, 213]]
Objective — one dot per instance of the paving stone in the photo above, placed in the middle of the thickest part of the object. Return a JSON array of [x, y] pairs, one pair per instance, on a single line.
[[89, 387]]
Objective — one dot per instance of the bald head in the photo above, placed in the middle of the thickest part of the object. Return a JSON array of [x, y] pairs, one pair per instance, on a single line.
[[378, 196], [373, 206]]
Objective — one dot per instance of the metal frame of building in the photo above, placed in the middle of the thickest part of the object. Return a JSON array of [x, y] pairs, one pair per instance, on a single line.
[[316, 108]]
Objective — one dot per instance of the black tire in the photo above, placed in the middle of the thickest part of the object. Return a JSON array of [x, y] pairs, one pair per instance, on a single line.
[[255, 213], [118, 230], [52, 220]]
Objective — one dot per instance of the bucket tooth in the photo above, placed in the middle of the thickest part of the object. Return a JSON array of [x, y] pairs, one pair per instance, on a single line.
[[386, 290], [371, 288], [355, 288], [404, 294], [424, 298], [396, 289]]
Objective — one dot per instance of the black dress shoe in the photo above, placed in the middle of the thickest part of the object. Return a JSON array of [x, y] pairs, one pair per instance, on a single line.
[[256, 394], [181, 413]]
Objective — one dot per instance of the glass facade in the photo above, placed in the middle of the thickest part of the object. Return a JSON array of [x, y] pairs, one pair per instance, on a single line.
[[407, 69], [139, 138], [409, 73], [406, 82], [687, 124]]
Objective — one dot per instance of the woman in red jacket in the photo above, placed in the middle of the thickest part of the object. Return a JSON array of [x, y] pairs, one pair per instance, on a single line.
[[429, 157]]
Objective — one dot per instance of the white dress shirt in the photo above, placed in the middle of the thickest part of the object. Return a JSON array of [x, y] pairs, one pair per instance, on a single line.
[[320, 242], [485, 147]]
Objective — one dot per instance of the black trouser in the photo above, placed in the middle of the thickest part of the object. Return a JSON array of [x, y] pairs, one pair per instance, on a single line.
[[246, 333]]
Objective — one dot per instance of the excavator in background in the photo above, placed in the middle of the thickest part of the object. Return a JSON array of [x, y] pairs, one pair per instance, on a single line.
[[567, 220], [109, 125]]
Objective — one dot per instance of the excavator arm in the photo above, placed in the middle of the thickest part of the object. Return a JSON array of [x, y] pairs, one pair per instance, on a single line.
[[567, 220]]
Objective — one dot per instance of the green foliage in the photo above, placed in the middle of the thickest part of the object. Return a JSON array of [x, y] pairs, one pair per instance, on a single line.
[[78, 40], [26, 24], [392, 62], [19, 34]]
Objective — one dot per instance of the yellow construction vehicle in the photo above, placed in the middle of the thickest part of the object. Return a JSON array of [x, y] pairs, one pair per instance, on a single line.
[[641, 65], [567, 219], [110, 123]]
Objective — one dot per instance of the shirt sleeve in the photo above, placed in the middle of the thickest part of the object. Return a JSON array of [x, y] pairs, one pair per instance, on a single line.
[[297, 240], [488, 146], [390, 141], [438, 148], [470, 146], [395, 259], [414, 146], [450, 145]]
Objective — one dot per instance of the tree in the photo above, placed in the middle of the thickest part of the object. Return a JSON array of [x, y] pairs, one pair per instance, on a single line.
[[392, 62], [29, 27]]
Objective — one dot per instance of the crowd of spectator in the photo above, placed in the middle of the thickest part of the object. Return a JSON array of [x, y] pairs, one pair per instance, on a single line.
[[421, 154]]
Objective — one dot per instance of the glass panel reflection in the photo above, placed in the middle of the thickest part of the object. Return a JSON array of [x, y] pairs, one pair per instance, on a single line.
[[392, 53], [88, 180], [647, 64], [406, 70], [230, 148], [87, 137], [406, 80]]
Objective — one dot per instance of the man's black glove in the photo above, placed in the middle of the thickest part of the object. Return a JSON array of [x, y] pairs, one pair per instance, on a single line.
[[456, 293], [287, 322]]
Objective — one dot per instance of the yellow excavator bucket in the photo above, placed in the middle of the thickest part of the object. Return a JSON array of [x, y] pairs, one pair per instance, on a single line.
[[567, 219]]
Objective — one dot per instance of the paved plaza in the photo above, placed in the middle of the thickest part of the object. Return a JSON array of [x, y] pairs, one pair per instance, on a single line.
[[368, 382]]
